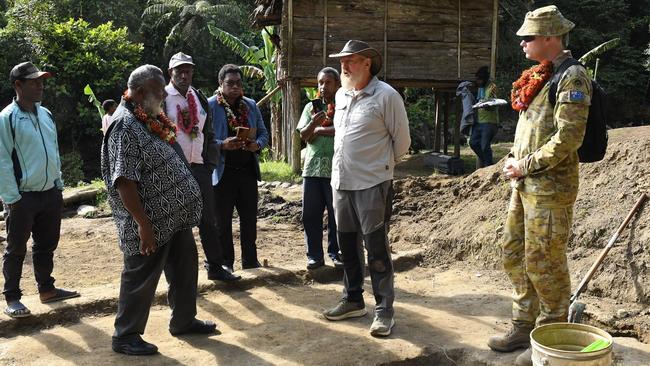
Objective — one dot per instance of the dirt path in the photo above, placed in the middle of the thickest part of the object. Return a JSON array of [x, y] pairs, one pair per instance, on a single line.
[[442, 319]]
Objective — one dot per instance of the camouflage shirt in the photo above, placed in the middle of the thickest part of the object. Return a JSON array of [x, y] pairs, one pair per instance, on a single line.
[[548, 137]]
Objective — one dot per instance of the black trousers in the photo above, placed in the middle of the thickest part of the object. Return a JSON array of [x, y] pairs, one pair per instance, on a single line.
[[237, 188], [37, 214], [208, 230], [178, 258]]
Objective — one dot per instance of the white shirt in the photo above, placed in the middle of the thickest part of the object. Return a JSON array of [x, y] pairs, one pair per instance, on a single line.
[[372, 132], [192, 147]]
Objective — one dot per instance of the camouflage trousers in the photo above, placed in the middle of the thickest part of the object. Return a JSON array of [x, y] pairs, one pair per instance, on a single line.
[[534, 257]]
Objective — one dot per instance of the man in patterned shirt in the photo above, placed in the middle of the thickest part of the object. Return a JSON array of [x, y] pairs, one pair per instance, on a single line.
[[155, 202]]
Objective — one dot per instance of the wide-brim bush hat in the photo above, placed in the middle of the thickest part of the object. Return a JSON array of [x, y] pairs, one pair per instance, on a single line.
[[545, 21], [354, 47]]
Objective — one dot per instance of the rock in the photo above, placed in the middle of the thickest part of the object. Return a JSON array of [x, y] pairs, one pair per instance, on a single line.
[[86, 210], [285, 185], [274, 184], [261, 183], [622, 313]]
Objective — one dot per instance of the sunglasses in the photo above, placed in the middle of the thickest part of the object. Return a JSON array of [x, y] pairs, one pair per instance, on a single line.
[[528, 39]]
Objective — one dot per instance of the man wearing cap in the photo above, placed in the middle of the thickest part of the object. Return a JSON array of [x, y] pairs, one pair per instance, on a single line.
[[487, 119], [543, 169], [189, 109], [372, 132], [30, 187]]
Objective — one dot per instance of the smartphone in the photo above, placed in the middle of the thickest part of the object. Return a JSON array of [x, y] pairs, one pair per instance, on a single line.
[[317, 105]]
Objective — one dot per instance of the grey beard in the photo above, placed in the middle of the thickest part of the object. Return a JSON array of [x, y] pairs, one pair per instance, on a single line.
[[152, 106]]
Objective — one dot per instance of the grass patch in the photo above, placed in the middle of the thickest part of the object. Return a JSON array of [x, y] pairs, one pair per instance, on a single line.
[[279, 171]]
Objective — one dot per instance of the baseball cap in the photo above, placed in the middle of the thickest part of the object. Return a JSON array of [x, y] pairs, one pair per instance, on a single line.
[[27, 70], [180, 59]]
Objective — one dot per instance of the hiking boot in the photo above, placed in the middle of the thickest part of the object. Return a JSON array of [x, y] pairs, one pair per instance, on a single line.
[[525, 358], [381, 326], [518, 336], [346, 309]]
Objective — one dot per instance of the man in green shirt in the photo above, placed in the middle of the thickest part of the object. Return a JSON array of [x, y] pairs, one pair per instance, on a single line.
[[487, 119], [317, 130]]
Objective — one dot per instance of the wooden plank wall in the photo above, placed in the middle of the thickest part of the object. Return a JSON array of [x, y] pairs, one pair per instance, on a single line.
[[421, 36]]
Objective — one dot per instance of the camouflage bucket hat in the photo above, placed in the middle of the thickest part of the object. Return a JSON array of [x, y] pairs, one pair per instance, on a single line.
[[546, 21]]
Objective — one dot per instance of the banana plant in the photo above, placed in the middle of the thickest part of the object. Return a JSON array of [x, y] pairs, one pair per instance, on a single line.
[[260, 61], [592, 55]]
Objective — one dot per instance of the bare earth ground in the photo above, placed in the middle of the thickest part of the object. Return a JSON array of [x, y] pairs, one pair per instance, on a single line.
[[453, 302]]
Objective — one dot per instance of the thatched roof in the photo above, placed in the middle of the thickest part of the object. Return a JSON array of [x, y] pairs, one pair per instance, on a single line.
[[267, 12]]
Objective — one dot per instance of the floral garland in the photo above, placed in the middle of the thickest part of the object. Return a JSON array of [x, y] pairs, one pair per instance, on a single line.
[[160, 126], [531, 81], [329, 115], [188, 118], [233, 120]]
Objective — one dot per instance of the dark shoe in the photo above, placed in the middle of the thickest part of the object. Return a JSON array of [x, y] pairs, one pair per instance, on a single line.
[[525, 358], [57, 295], [227, 268], [518, 336], [136, 347], [222, 275], [313, 264], [16, 309], [337, 262], [197, 327], [346, 309], [255, 264]]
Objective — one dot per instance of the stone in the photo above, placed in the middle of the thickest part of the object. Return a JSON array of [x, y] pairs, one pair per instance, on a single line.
[[86, 210]]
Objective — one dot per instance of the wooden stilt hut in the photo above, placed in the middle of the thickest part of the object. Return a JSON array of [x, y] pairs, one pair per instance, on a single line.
[[424, 43]]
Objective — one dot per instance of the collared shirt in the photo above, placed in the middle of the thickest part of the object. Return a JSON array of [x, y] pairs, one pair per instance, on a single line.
[[192, 147], [319, 152], [372, 132], [169, 193], [106, 122], [222, 131], [37, 160], [548, 137]]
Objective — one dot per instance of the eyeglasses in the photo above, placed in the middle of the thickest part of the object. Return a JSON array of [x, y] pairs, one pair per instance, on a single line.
[[231, 83], [528, 39]]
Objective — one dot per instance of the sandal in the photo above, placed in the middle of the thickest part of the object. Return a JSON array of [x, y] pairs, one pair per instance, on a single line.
[[57, 295], [16, 309]]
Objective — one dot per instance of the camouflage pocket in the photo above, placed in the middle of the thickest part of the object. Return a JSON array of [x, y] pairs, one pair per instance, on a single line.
[[541, 185]]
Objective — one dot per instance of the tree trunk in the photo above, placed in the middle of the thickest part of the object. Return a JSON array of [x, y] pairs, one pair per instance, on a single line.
[[276, 131]]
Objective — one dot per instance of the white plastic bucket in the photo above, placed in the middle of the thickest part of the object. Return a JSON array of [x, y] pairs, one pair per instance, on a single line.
[[559, 344]]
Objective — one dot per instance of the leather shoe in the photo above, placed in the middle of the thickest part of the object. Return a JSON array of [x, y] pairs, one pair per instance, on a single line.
[[222, 275], [255, 264], [313, 264], [227, 268], [134, 347], [197, 327]]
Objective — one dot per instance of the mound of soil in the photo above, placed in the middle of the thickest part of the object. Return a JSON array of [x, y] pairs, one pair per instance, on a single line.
[[461, 219], [280, 210]]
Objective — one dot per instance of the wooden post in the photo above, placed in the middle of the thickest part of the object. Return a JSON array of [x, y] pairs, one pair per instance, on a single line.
[[459, 112], [291, 110], [445, 126], [446, 118], [436, 138]]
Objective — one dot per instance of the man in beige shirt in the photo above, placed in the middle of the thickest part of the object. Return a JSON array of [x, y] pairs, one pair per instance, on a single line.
[[372, 132]]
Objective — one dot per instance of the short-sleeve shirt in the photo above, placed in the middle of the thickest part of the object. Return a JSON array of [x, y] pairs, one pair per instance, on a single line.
[[169, 193], [319, 153]]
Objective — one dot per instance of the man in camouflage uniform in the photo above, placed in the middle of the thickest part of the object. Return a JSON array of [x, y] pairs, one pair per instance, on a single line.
[[543, 169]]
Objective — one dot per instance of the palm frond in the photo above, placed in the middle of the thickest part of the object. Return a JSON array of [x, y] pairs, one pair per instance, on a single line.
[[164, 7], [251, 71], [591, 56], [226, 10]]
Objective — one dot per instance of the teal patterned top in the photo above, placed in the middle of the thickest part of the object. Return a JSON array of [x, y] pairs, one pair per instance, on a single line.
[[318, 157]]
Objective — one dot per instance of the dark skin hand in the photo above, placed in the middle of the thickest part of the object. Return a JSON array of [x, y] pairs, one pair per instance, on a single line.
[[314, 129], [128, 191]]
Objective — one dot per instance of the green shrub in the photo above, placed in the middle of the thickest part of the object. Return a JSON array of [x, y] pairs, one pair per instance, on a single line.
[[71, 169]]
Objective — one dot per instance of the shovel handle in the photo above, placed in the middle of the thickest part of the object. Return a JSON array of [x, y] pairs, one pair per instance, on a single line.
[[609, 246]]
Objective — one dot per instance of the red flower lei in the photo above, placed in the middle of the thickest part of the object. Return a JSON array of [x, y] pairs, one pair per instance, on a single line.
[[233, 120], [188, 118], [531, 81], [160, 126], [329, 115]]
